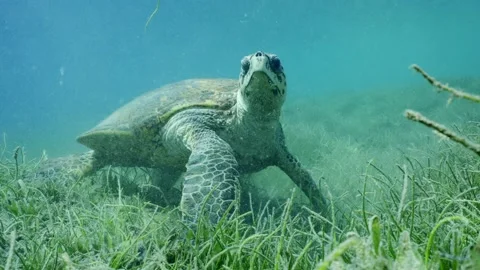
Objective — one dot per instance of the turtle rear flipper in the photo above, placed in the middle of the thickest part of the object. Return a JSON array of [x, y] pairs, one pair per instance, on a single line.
[[163, 190], [64, 168]]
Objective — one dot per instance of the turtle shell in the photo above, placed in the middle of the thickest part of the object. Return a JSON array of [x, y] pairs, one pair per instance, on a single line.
[[139, 122]]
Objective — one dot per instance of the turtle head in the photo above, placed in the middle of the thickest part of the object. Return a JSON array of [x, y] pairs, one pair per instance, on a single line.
[[263, 85]]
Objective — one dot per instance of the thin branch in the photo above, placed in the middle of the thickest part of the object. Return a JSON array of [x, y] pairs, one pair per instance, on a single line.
[[417, 117], [445, 87]]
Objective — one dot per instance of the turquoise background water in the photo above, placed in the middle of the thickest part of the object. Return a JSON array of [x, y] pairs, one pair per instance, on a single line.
[[65, 65]]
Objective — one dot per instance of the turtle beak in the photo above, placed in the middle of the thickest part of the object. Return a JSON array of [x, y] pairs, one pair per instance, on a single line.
[[259, 62], [262, 74]]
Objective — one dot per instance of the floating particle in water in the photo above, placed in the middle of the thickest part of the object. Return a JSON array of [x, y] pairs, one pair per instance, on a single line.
[[62, 73]]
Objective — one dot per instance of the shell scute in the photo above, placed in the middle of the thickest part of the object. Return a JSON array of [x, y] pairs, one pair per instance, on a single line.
[[145, 115]]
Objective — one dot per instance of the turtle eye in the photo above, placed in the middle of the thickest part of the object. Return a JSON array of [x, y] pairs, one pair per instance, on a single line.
[[275, 63], [245, 64]]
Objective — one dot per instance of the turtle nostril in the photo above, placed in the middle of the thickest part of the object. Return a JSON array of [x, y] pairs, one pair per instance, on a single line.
[[258, 54]]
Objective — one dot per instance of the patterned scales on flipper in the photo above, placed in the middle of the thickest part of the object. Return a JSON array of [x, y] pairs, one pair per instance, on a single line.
[[64, 168]]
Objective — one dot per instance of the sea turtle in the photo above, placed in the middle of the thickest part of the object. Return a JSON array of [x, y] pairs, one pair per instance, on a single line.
[[212, 130]]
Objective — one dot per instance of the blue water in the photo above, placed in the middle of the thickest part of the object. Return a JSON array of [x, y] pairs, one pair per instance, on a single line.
[[65, 65]]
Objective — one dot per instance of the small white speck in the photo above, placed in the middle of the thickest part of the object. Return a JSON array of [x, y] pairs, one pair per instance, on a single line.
[[62, 73]]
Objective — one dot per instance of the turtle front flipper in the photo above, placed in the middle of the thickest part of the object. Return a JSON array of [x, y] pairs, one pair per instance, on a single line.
[[302, 178], [211, 181], [64, 168]]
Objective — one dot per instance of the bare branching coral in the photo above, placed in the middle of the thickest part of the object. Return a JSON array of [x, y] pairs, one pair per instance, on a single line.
[[418, 117], [444, 87]]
